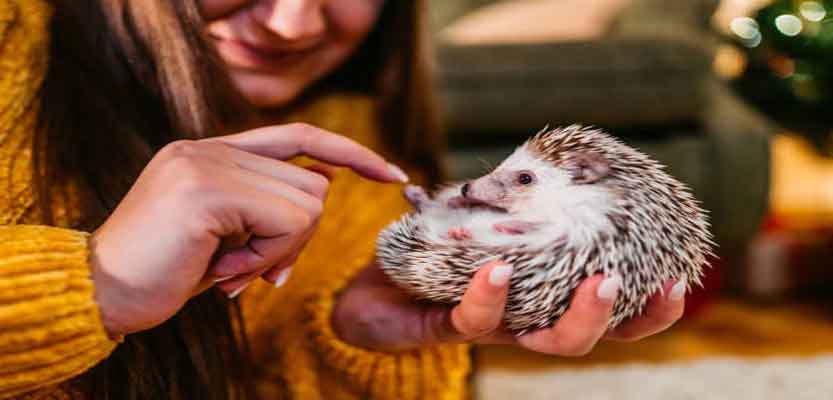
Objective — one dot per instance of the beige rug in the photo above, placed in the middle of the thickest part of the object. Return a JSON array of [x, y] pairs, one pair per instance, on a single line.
[[711, 379]]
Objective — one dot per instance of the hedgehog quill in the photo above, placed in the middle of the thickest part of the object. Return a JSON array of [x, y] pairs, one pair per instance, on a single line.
[[567, 204]]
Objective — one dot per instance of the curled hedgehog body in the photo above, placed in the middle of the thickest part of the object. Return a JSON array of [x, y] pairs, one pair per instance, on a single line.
[[567, 204]]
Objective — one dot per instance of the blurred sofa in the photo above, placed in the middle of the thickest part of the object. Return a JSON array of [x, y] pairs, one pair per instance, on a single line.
[[648, 79]]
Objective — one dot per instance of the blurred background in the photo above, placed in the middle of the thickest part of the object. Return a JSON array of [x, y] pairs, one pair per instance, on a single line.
[[736, 97]]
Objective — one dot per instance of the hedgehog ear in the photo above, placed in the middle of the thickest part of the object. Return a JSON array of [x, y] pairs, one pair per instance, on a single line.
[[588, 167]]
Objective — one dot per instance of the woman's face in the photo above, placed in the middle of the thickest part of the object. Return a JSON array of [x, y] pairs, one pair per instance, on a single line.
[[274, 49]]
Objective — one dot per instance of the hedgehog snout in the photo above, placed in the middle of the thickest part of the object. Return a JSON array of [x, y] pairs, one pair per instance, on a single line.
[[485, 190]]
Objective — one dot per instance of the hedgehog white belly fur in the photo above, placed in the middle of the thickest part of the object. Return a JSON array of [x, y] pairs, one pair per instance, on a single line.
[[577, 202]]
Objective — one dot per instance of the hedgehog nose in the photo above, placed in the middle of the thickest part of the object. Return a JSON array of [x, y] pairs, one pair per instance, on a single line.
[[465, 190]]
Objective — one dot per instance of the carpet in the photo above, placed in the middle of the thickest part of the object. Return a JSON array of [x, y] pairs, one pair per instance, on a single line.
[[708, 379]]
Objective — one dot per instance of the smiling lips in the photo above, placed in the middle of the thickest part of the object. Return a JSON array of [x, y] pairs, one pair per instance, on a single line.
[[260, 56]]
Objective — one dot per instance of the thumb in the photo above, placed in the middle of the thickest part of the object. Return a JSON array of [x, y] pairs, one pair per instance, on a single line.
[[481, 309]]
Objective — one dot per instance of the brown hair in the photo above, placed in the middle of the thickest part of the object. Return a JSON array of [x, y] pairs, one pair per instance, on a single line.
[[127, 77]]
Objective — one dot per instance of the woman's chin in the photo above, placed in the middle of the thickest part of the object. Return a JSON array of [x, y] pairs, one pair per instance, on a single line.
[[267, 91]]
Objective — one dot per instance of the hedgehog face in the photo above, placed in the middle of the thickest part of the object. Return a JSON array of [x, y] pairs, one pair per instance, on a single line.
[[517, 183], [569, 193]]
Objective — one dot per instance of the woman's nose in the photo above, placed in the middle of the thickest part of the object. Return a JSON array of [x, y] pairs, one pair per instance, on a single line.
[[465, 190], [292, 19]]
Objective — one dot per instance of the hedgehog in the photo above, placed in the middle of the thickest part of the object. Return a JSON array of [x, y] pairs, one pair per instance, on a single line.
[[567, 204]]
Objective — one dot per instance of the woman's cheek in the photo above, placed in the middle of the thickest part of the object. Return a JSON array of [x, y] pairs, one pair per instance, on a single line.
[[354, 17]]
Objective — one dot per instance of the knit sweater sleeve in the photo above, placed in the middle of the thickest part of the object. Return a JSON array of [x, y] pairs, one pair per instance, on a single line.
[[50, 328]]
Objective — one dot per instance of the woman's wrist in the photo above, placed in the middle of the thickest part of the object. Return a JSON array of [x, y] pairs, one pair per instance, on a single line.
[[106, 298]]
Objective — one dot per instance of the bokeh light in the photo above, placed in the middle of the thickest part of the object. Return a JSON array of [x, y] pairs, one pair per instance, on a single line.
[[789, 24], [747, 30], [812, 11]]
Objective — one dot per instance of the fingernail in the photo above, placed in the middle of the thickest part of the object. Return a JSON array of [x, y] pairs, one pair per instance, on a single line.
[[499, 276], [609, 288], [398, 173], [223, 278], [283, 277], [239, 290], [678, 290]]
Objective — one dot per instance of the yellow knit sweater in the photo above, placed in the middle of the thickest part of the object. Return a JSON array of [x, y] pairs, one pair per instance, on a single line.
[[50, 330]]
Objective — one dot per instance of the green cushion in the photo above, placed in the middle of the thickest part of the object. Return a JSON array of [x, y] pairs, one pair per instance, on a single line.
[[617, 82]]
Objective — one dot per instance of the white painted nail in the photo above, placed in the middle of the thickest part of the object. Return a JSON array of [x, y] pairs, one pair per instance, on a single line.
[[499, 276], [223, 278], [398, 173], [609, 288], [239, 290], [678, 290], [283, 277]]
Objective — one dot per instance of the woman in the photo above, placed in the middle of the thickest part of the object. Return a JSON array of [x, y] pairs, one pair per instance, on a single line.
[[136, 120]]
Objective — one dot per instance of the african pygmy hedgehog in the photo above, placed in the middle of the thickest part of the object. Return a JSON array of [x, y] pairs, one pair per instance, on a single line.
[[567, 204]]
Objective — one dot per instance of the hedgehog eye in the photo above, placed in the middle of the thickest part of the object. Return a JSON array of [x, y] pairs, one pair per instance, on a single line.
[[525, 178]]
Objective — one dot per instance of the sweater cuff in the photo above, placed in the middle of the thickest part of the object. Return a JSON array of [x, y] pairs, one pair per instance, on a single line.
[[50, 327], [434, 372]]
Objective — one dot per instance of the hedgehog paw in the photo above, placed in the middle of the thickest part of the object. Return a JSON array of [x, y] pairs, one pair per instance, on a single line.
[[458, 234], [515, 227], [416, 195]]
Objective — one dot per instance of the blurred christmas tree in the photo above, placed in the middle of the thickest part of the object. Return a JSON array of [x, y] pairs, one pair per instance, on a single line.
[[789, 49]]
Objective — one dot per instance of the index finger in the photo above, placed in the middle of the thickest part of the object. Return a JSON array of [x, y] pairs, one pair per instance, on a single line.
[[286, 141]]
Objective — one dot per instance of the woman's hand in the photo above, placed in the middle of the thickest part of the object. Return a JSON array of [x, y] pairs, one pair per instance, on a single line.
[[375, 314], [161, 245]]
